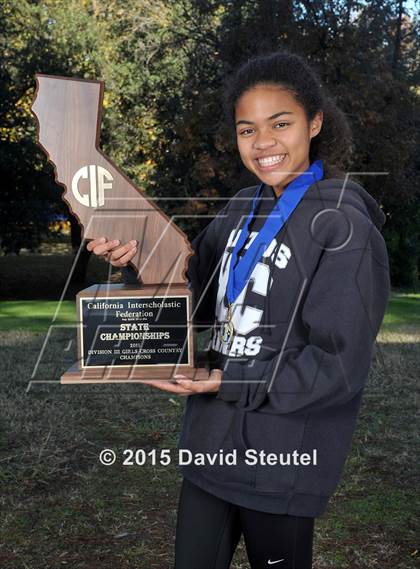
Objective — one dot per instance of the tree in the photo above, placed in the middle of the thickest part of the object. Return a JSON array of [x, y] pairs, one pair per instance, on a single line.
[[163, 65]]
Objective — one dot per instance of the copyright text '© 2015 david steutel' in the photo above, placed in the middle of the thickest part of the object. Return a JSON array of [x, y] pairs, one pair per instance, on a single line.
[[141, 457]]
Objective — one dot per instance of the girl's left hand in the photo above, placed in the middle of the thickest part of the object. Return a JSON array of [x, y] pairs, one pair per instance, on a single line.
[[181, 385]]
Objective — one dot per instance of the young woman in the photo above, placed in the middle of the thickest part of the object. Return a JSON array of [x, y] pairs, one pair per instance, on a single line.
[[293, 277]]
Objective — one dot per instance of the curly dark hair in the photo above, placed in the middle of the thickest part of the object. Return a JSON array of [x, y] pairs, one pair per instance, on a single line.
[[334, 143]]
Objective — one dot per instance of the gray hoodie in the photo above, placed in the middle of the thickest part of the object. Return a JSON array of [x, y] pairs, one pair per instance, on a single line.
[[293, 378]]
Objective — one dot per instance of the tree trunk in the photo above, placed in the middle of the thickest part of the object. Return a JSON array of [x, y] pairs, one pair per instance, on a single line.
[[397, 42]]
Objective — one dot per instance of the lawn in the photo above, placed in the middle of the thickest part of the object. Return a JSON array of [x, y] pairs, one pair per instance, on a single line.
[[38, 315], [404, 310], [35, 315], [61, 508]]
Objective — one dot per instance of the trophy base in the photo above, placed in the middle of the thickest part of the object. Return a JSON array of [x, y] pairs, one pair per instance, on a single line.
[[125, 324], [129, 375]]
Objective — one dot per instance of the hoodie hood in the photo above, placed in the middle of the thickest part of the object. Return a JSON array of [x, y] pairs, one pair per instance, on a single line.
[[331, 193], [338, 191]]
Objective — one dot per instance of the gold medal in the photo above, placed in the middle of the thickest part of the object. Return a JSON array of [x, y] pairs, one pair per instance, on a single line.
[[227, 329]]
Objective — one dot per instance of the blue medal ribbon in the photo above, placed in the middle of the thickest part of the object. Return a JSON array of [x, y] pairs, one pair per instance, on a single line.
[[240, 269]]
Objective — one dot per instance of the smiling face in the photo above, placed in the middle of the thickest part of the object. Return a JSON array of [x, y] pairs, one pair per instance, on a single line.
[[274, 134]]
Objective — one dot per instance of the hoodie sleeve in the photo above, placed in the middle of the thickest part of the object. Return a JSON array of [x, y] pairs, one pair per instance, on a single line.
[[129, 275], [202, 272], [342, 313]]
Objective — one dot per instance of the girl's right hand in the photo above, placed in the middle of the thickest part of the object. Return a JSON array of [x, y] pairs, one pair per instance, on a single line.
[[116, 254]]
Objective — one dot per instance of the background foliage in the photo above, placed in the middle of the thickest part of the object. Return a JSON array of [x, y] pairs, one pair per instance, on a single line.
[[163, 63]]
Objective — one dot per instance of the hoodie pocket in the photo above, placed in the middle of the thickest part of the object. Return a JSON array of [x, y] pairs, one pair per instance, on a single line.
[[265, 433], [212, 431]]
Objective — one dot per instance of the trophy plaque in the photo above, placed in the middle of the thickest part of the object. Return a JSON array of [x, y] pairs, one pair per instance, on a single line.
[[125, 333]]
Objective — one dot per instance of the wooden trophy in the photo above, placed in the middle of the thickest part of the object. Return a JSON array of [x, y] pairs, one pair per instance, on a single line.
[[125, 333]]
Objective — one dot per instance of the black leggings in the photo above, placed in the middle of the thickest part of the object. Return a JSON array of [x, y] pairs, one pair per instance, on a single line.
[[209, 529]]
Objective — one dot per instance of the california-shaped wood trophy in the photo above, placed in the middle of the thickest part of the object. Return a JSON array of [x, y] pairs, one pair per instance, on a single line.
[[125, 333]]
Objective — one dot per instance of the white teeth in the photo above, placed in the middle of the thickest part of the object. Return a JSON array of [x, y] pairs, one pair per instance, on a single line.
[[270, 160]]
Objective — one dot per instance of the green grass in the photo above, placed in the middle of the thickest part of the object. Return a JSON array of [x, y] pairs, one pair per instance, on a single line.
[[61, 508], [35, 315], [403, 309]]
